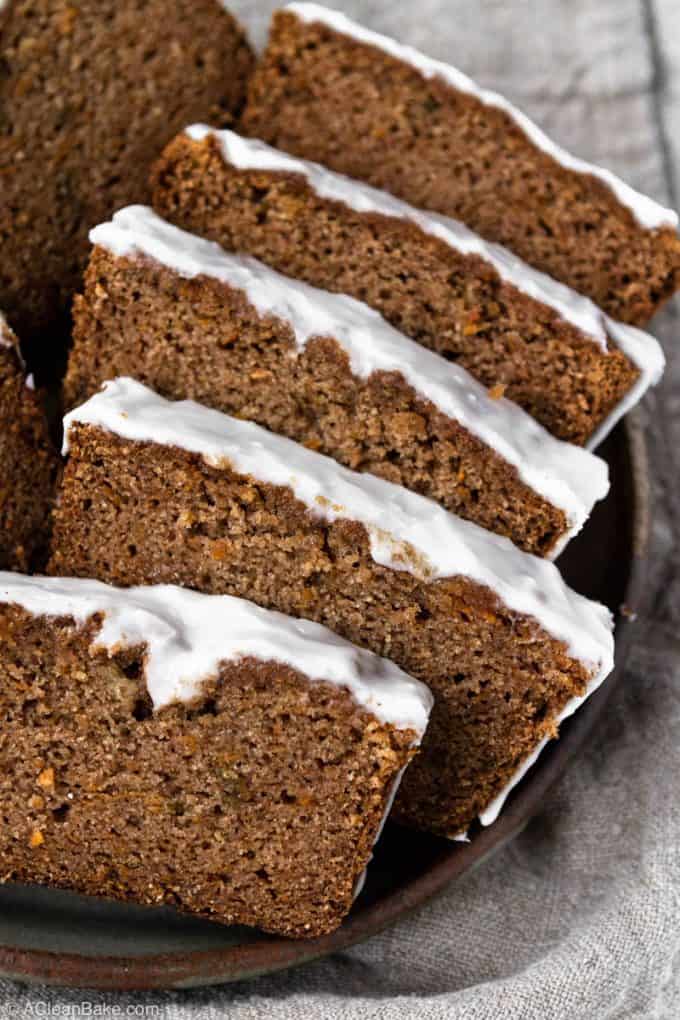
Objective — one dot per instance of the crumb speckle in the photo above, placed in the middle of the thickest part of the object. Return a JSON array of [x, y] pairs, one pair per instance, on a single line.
[[36, 839], [46, 779]]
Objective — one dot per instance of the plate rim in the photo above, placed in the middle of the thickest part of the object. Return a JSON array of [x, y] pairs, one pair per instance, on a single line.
[[201, 968]]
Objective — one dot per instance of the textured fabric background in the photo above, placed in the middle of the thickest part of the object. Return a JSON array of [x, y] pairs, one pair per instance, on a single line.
[[579, 918]]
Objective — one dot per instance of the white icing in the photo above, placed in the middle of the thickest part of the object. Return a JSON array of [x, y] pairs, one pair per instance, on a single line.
[[187, 635], [580, 311], [565, 475], [406, 530], [646, 353], [360, 883], [648, 213]]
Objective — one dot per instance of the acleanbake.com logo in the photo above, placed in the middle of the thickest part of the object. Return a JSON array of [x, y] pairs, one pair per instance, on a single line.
[[76, 1010]]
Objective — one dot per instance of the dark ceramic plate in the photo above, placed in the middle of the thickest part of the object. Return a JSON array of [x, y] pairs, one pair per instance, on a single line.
[[70, 940]]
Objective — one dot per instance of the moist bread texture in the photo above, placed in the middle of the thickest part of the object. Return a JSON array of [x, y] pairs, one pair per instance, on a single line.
[[89, 94], [327, 95], [455, 304], [203, 339], [28, 463], [257, 802], [135, 512]]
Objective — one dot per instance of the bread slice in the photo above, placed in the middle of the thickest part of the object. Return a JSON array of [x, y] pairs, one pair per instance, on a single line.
[[181, 315], [330, 90], [175, 492], [28, 461], [90, 92], [552, 351], [167, 747]]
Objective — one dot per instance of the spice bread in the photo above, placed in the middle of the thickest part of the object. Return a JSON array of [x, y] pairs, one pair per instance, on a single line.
[[89, 94], [330, 90], [552, 350], [28, 462], [189, 320], [167, 747], [160, 491]]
